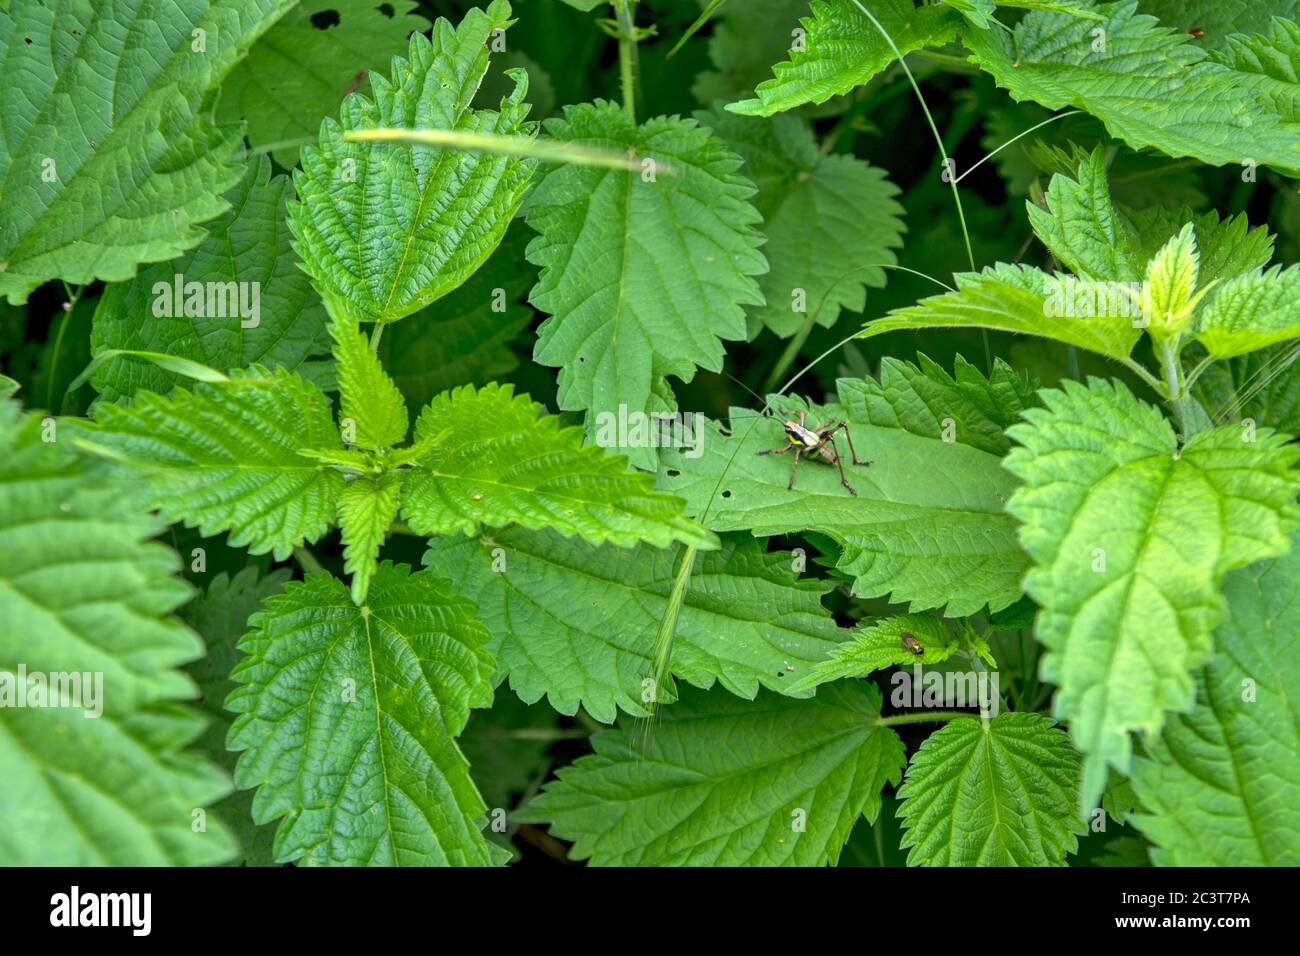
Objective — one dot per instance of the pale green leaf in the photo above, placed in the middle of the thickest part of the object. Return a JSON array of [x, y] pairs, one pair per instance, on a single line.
[[728, 782], [1252, 312], [747, 39], [386, 228], [1130, 537], [879, 645], [1220, 783], [372, 412], [1150, 85], [842, 49], [643, 275], [927, 526], [299, 71], [106, 157], [348, 717], [105, 779], [367, 508], [503, 462], [224, 457], [1023, 300], [831, 222], [978, 13], [577, 624], [1000, 792], [260, 309], [1275, 57]]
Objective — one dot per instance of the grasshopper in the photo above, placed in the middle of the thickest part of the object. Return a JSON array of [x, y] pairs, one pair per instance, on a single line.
[[816, 443]]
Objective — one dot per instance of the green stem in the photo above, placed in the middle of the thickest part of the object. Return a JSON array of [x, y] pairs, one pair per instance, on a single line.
[[668, 624], [1174, 385], [73, 298], [374, 337], [791, 352], [627, 57], [927, 717], [307, 561]]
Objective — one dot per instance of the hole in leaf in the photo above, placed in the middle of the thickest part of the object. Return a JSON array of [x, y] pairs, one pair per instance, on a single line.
[[726, 494], [387, 10], [673, 472], [325, 19]]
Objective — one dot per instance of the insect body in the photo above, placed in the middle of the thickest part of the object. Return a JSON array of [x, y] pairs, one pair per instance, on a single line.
[[912, 644], [818, 443], [1197, 32]]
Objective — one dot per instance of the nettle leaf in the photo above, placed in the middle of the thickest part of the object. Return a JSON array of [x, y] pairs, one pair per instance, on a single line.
[[104, 167], [503, 462], [107, 778], [1219, 783], [1274, 56], [1130, 538], [348, 717], [924, 399], [642, 274], [301, 69], [1000, 792], [928, 524], [386, 228], [880, 645], [372, 412], [220, 614], [728, 782], [252, 304], [842, 49], [465, 336], [831, 222], [225, 457], [1220, 19], [367, 508], [1252, 312], [578, 623], [1150, 85]]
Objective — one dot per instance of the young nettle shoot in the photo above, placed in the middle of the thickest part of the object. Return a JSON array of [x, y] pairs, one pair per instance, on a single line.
[[818, 444]]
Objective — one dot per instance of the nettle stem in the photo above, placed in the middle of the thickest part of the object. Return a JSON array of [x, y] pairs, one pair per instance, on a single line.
[[1174, 385], [624, 11], [926, 717]]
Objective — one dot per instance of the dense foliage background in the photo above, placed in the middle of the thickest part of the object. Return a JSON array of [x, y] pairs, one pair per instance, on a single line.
[[335, 558]]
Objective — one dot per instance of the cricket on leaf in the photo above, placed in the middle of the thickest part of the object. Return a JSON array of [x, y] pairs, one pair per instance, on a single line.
[[818, 444]]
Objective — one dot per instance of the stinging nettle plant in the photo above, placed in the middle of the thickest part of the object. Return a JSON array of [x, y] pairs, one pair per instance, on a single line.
[[365, 580]]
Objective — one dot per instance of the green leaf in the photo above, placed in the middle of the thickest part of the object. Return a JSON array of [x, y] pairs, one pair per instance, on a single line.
[[348, 717], [879, 645], [503, 462], [367, 508], [224, 457], [372, 412], [927, 526], [1262, 386], [831, 222], [843, 49], [1130, 538], [259, 309], [105, 166], [465, 337], [1024, 300], [220, 615], [108, 778], [1150, 86], [923, 399], [1252, 312], [1220, 781], [1275, 57], [978, 13], [1000, 792], [642, 275], [386, 228], [578, 623], [298, 72], [1220, 19], [506, 747], [728, 782]]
